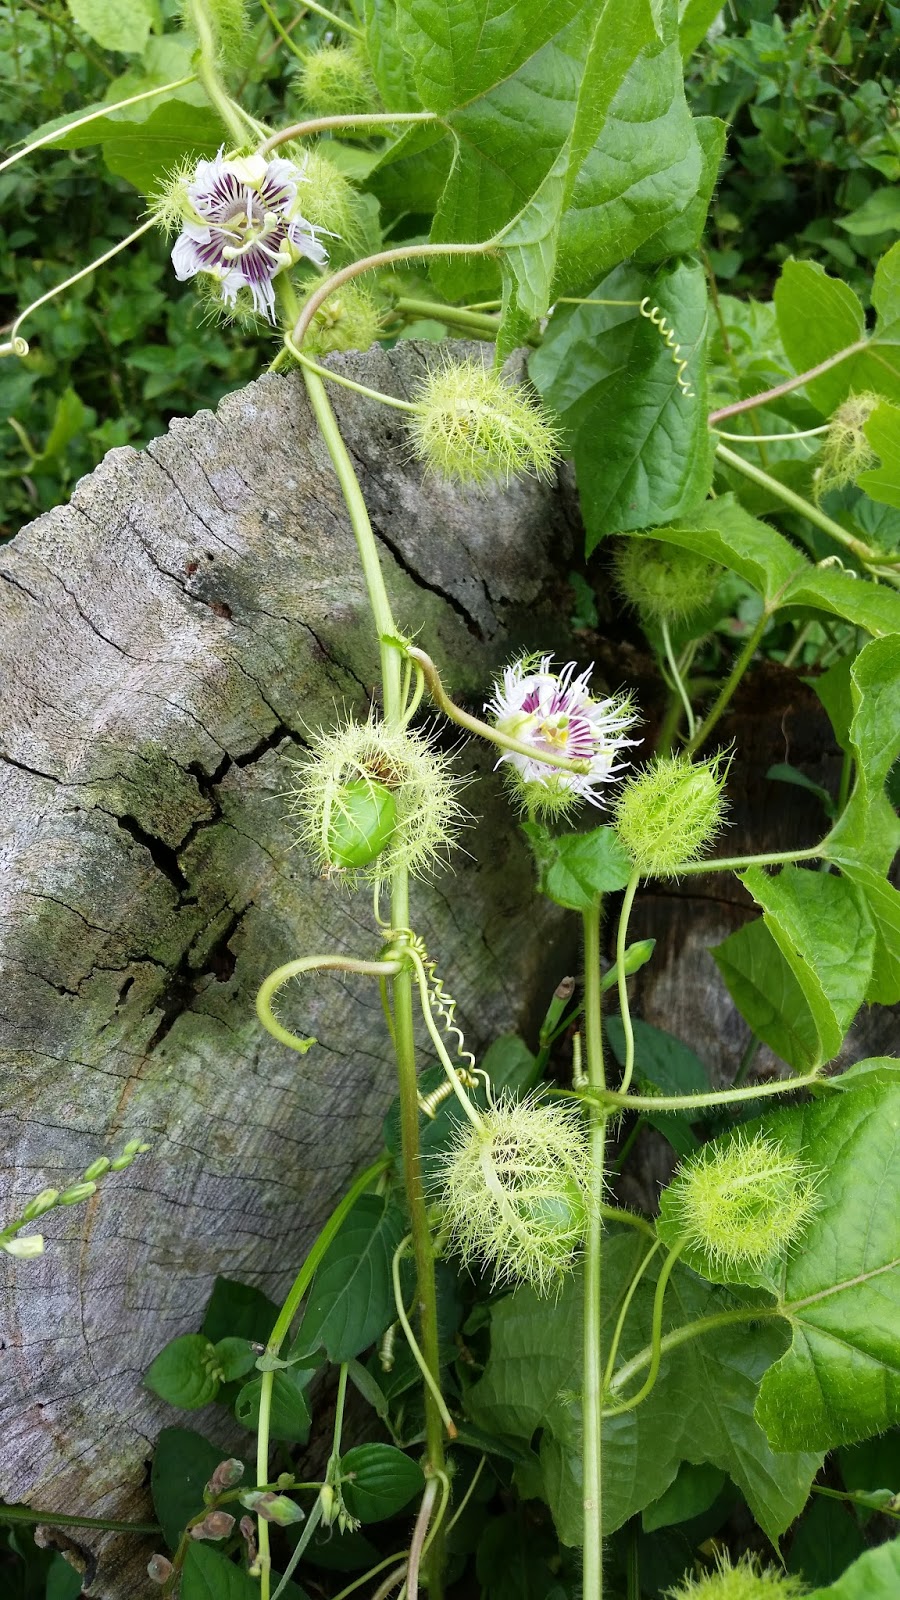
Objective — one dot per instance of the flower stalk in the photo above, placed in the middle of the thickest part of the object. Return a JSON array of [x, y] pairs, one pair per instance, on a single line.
[[592, 1393]]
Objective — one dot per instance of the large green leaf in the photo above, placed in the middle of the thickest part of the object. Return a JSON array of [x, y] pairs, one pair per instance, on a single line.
[[819, 316], [460, 49], [351, 1301], [868, 830], [378, 1480], [768, 994], [641, 445], [840, 1380], [823, 928], [883, 902], [183, 1463], [144, 151], [724, 532], [644, 170], [684, 232], [701, 1409]]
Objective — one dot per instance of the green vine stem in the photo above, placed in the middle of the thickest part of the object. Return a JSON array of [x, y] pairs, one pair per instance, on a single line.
[[347, 383], [18, 346], [404, 1041], [281, 1330], [723, 700], [773, 438], [592, 1390], [689, 1331], [486, 327], [796, 502], [789, 384], [683, 1102], [367, 119], [623, 1311], [30, 1516], [622, 980], [656, 1352], [294, 969], [382, 258], [412, 1341], [678, 680], [774, 858], [91, 116], [208, 73], [321, 11], [464, 719]]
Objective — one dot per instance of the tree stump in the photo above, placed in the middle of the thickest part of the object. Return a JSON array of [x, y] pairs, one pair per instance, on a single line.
[[168, 640]]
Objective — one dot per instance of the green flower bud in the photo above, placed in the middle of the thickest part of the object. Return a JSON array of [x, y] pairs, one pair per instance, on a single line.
[[663, 583], [43, 1202], [78, 1192], [738, 1204], [363, 823], [746, 1581], [348, 320], [31, 1245], [471, 427], [671, 812], [98, 1168], [846, 451], [514, 1192], [336, 81], [272, 1507], [374, 798]]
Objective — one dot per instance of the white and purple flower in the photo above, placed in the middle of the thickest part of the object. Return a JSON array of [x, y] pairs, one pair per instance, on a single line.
[[245, 227], [555, 714]]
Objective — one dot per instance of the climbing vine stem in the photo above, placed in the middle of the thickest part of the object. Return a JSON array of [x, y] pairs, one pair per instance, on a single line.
[[592, 1394]]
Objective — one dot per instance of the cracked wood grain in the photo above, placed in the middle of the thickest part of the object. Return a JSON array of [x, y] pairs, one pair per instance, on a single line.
[[168, 640]]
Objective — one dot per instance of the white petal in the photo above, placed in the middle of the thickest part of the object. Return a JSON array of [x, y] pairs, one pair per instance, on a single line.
[[186, 257]]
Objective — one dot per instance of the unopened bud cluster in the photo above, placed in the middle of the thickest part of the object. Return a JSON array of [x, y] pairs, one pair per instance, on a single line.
[[33, 1243]]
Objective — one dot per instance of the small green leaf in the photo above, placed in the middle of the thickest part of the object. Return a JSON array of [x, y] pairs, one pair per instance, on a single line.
[[183, 1463], [351, 1301], [510, 1064], [290, 1409], [819, 316], [868, 830], [576, 868], [377, 1480], [882, 430], [695, 18], [208, 1575], [840, 1380], [238, 1310], [113, 25], [235, 1358], [186, 1372], [783, 772], [827, 1539], [693, 1491]]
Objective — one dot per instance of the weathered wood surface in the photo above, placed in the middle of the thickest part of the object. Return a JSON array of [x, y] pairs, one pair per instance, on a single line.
[[167, 642]]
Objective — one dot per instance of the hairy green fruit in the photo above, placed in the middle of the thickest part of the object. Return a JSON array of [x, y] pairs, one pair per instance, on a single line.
[[741, 1202], [471, 427], [846, 451], [746, 1581], [363, 822], [514, 1192], [663, 583], [335, 81], [375, 798], [671, 812]]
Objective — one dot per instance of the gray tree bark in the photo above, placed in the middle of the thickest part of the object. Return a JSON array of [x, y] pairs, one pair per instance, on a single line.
[[168, 641]]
